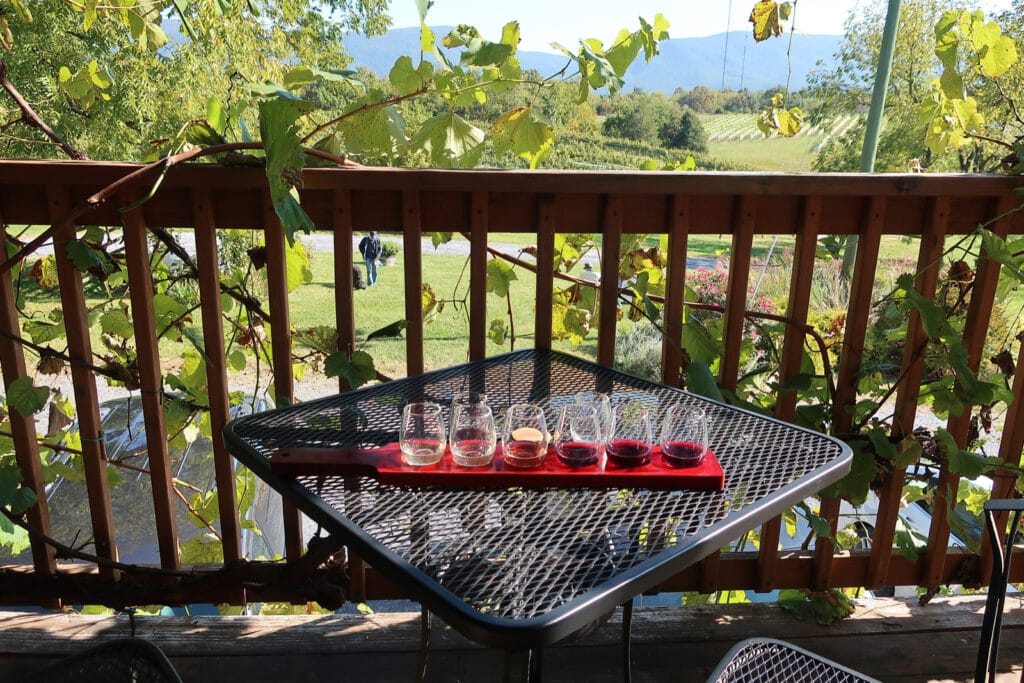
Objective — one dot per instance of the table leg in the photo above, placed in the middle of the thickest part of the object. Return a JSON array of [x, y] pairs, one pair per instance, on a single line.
[[627, 659], [421, 660]]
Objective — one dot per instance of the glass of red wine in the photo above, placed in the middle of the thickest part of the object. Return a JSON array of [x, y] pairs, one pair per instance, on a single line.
[[631, 435], [684, 436], [524, 436], [578, 439]]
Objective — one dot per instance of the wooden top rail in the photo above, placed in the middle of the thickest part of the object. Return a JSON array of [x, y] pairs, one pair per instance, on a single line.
[[514, 197]]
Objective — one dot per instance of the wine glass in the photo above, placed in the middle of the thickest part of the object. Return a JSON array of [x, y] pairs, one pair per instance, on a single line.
[[631, 435], [578, 439], [422, 434], [603, 407], [473, 437], [465, 398], [524, 437], [684, 436]]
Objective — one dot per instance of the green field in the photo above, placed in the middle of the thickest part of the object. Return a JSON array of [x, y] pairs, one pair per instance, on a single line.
[[735, 140]]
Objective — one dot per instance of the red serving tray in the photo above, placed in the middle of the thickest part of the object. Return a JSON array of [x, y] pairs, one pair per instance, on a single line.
[[385, 464]]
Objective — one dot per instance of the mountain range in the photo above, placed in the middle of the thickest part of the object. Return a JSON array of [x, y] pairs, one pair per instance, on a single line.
[[725, 60]]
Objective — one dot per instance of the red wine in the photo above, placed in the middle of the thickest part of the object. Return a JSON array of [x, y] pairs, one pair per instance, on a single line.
[[577, 454], [682, 453], [629, 453]]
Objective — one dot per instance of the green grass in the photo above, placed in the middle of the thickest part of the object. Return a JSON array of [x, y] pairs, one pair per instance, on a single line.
[[445, 336], [773, 154]]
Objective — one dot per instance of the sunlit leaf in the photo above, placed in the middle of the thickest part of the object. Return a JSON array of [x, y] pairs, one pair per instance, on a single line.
[[524, 133], [765, 18], [500, 276], [497, 332], [450, 141], [297, 265]]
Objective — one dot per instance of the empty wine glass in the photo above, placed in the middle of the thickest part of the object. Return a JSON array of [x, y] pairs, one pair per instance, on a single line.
[[465, 398], [524, 437], [684, 436], [473, 437], [422, 434], [603, 407], [578, 439], [631, 435]]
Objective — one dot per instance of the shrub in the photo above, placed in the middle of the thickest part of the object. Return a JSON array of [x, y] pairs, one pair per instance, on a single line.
[[389, 249], [638, 351]]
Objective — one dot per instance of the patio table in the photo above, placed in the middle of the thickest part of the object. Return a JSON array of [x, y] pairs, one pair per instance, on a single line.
[[521, 568]]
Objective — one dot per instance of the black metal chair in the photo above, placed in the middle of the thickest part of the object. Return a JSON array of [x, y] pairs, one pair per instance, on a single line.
[[766, 659], [127, 660]]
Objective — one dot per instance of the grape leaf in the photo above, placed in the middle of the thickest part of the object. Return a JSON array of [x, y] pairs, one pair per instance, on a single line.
[[25, 398], [297, 265], [500, 276], [450, 141], [392, 330], [497, 331], [408, 80], [279, 132], [523, 132], [765, 18], [700, 381], [357, 371], [374, 132], [116, 322]]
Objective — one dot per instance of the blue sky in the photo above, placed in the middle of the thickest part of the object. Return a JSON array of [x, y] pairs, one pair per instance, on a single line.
[[566, 21]]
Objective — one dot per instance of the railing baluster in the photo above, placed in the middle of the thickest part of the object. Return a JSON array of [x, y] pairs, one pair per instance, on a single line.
[[76, 324], [849, 364], [545, 271], [23, 427], [344, 311], [208, 262], [140, 289], [608, 310], [979, 313], [912, 369], [478, 276], [671, 355], [281, 350], [412, 225], [791, 360], [744, 219]]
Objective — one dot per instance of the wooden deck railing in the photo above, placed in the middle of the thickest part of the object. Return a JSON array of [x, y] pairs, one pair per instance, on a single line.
[[204, 198]]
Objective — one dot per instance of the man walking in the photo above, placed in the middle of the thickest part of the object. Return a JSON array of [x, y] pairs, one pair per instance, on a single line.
[[371, 248]]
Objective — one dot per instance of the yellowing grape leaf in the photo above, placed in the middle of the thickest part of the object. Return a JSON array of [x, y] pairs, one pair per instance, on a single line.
[[765, 18]]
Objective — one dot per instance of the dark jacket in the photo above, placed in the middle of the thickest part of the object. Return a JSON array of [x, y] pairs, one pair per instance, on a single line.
[[370, 247]]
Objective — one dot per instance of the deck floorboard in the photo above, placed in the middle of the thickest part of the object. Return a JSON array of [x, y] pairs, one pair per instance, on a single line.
[[891, 640]]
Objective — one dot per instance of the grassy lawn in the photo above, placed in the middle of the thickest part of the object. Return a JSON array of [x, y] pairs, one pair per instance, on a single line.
[[773, 154], [445, 335]]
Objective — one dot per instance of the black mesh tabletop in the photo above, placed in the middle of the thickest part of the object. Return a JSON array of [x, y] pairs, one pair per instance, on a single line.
[[518, 567]]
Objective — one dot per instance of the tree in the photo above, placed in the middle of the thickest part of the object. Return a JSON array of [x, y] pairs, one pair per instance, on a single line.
[[689, 133], [108, 83], [847, 88], [702, 100]]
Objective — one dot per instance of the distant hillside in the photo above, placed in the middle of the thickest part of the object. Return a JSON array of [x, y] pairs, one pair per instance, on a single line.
[[683, 62]]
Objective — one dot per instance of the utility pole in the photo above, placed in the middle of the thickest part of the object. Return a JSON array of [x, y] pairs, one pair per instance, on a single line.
[[874, 125]]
